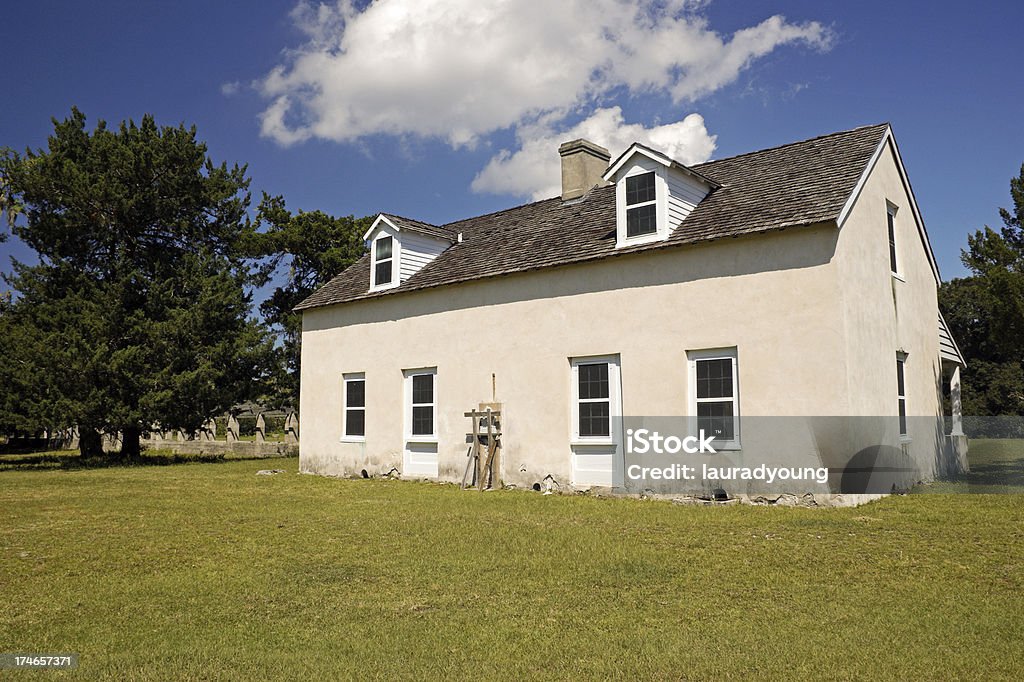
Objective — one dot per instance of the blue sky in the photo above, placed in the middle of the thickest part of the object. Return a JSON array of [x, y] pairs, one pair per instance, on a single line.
[[442, 110]]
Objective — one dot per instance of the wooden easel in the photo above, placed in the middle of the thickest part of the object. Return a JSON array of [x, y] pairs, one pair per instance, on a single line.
[[481, 457]]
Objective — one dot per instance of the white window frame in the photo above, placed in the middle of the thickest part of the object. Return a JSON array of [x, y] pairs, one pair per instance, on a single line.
[[660, 202], [641, 204], [395, 251], [346, 379], [901, 398], [614, 400], [726, 353], [892, 242], [409, 436]]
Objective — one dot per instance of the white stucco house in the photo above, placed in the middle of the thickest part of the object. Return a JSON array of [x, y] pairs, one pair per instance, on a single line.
[[791, 283]]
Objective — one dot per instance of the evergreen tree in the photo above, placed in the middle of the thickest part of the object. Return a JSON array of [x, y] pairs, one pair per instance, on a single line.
[[985, 313], [137, 312], [315, 247]]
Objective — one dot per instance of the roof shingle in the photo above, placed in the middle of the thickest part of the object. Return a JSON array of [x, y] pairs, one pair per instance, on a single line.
[[419, 226], [801, 183]]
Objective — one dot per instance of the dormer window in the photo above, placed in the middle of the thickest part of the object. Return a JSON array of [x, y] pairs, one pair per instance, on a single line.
[[641, 205], [401, 247], [653, 194], [383, 261]]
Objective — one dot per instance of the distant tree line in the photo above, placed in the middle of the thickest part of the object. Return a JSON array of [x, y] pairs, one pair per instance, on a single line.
[[985, 313], [139, 310]]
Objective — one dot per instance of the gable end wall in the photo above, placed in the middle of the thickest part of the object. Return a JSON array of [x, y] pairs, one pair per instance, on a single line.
[[883, 314]]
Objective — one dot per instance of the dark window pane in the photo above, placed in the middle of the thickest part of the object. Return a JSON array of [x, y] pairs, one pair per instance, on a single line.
[[715, 419], [639, 188], [383, 248], [903, 417], [422, 421], [422, 389], [892, 243], [642, 220], [900, 387], [355, 394], [594, 419], [383, 274], [714, 378], [593, 380], [355, 423]]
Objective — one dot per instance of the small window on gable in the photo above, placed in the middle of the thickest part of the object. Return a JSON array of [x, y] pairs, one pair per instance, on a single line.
[[641, 205], [901, 393], [383, 261], [891, 217]]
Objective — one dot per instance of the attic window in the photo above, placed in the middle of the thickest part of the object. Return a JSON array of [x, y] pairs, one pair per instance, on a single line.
[[641, 205], [891, 216], [382, 260]]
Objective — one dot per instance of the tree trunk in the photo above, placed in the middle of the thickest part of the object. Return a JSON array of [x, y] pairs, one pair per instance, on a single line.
[[90, 442], [131, 448]]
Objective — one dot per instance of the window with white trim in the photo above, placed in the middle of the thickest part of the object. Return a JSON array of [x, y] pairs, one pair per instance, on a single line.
[[354, 410], [383, 260], [714, 395], [891, 218], [901, 393], [641, 205], [421, 405], [595, 398]]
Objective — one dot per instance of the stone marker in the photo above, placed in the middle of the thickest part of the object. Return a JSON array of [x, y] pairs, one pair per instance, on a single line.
[[261, 428], [291, 428], [232, 429], [209, 431]]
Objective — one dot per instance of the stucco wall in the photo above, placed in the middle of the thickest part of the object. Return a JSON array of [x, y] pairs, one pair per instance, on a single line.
[[774, 297], [884, 314]]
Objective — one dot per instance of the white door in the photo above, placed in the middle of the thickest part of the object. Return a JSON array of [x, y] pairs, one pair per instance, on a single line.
[[596, 430]]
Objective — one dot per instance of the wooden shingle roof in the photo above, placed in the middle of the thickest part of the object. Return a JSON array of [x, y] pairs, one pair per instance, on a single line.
[[801, 183], [419, 226]]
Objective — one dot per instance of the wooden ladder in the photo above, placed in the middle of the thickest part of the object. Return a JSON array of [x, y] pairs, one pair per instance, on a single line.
[[480, 458]]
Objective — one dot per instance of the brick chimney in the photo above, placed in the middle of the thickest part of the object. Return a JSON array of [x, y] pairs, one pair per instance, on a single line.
[[583, 162]]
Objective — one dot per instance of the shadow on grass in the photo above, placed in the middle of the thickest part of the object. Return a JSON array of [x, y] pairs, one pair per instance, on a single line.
[[997, 466], [70, 460], [1009, 474]]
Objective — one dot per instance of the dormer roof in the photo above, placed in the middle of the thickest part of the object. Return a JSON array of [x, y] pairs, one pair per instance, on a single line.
[[636, 148], [399, 223]]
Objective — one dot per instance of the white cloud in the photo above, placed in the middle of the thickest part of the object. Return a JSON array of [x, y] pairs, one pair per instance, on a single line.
[[230, 88], [460, 69], [534, 170]]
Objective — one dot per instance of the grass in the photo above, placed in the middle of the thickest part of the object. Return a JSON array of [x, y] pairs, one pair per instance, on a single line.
[[997, 466], [207, 571]]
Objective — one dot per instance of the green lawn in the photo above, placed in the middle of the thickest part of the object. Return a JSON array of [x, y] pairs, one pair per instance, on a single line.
[[997, 466], [207, 571]]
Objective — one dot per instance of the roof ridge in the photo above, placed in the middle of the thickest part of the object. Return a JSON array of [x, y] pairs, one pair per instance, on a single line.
[[791, 144]]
